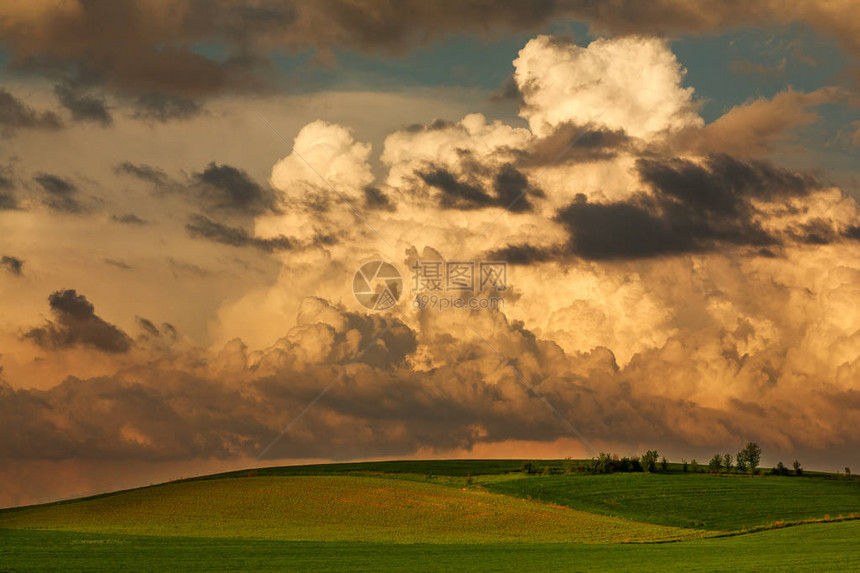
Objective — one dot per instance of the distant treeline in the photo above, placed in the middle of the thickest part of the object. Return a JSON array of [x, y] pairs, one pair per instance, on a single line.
[[746, 461]]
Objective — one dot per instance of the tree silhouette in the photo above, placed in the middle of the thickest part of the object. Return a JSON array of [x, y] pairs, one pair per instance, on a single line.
[[752, 456]]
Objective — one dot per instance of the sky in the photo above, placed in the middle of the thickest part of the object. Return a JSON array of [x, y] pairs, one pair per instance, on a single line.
[[609, 226]]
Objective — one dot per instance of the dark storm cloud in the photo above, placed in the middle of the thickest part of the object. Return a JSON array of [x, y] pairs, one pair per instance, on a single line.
[[16, 114], [60, 193], [455, 193], [54, 184], [234, 402], [724, 184], [83, 106], [815, 232], [13, 265], [179, 414], [511, 190], [202, 227], [523, 254], [128, 219], [693, 208], [144, 172], [224, 189], [435, 125], [155, 336], [508, 91], [374, 199], [147, 326], [135, 47], [228, 188], [164, 107], [624, 230], [577, 144], [75, 323]]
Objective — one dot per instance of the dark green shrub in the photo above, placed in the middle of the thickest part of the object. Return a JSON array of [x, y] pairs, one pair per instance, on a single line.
[[649, 461], [716, 464]]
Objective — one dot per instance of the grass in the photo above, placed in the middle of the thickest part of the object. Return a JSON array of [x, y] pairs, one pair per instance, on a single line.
[[460, 468], [831, 546], [429, 515], [695, 501], [334, 508]]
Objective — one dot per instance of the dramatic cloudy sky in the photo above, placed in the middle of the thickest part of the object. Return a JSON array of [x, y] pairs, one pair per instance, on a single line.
[[188, 188]]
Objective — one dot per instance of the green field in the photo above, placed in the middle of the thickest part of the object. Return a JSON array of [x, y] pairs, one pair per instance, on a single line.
[[818, 547], [334, 508], [445, 515], [698, 501]]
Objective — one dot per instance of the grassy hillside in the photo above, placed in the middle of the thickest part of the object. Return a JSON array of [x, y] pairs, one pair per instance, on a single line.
[[459, 468], [697, 501], [831, 546], [449, 515], [333, 508]]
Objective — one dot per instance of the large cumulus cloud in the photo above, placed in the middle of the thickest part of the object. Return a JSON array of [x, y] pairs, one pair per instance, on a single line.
[[76, 323], [386, 401], [660, 294]]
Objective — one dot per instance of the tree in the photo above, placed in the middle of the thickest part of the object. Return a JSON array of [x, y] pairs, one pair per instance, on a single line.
[[602, 464], [715, 464], [741, 461], [649, 461], [694, 466], [752, 456], [798, 470], [568, 466], [727, 462], [779, 470], [664, 464], [684, 464], [847, 471]]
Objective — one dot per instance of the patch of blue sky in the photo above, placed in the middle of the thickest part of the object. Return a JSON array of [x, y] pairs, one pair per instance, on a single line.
[[740, 65], [454, 61]]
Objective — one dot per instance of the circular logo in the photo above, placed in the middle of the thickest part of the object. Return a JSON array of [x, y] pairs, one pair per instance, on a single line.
[[377, 285]]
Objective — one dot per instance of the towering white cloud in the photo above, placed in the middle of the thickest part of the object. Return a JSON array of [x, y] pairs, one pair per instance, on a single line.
[[687, 303], [324, 152], [631, 83]]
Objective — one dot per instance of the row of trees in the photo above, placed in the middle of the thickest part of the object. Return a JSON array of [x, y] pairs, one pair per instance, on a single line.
[[606, 463], [746, 460]]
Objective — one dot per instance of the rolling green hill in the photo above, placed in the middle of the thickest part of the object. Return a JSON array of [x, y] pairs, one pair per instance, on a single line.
[[698, 501], [444, 515], [334, 508]]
